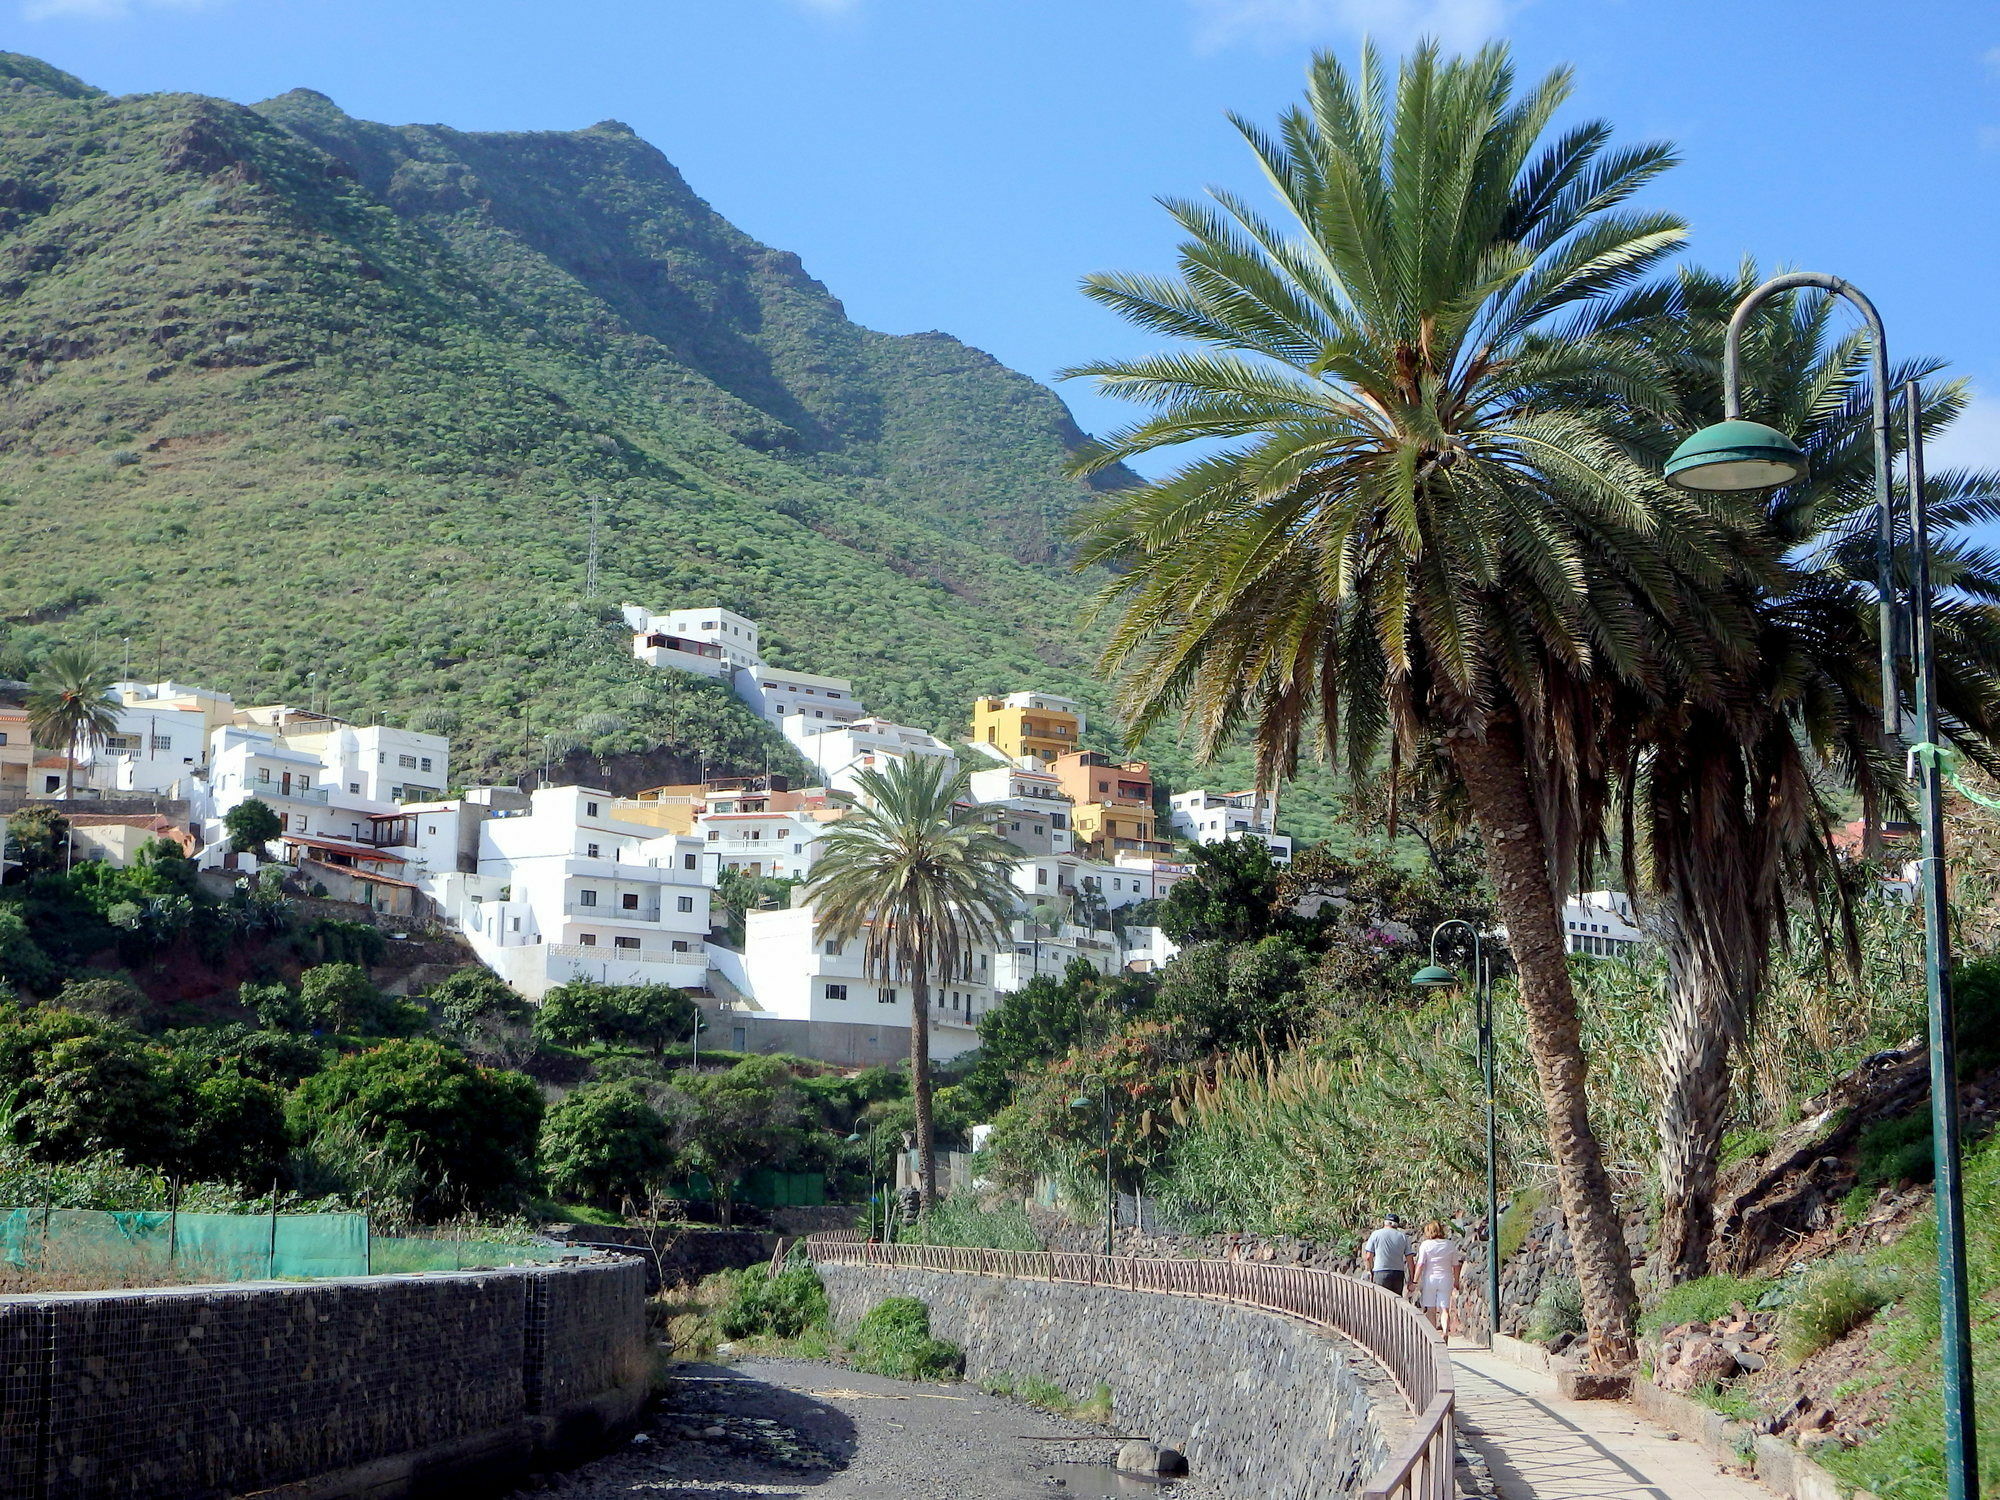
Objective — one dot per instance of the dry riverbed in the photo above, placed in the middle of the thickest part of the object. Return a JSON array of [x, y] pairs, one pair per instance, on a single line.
[[777, 1428]]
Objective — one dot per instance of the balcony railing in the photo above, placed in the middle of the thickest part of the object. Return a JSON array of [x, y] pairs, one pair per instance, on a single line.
[[296, 793], [625, 955], [617, 913]]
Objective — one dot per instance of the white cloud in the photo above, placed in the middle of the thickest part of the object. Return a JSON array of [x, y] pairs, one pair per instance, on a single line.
[[101, 10], [1972, 442], [1393, 23]]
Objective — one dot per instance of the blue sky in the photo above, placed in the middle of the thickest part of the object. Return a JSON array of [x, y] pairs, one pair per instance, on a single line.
[[958, 164]]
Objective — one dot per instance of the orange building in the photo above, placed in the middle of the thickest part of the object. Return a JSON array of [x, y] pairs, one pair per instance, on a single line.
[[1113, 803]]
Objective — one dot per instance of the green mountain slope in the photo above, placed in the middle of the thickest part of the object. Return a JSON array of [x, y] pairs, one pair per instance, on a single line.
[[284, 393]]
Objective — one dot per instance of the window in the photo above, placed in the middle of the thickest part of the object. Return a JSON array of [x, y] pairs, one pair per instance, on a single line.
[[798, 848], [381, 758], [590, 852], [407, 762], [3, 736], [1039, 829], [517, 924], [680, 945], [1014, 827], [781, 708], [886, 996], [818, 715], [685, 903], [1104, 786], [629, 901], [830, 694], [713, 835], [589, 940], [831, 948], [629, 945], [427, 762], [589, 808], [1041, 877], [586, 898], [431, 829], [163, 742], [689, 861], [836, 992], [305, 783], [354, 786], [264, 775]]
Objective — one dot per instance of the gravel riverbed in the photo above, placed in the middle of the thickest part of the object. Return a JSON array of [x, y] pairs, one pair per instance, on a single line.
[[778, 1428]]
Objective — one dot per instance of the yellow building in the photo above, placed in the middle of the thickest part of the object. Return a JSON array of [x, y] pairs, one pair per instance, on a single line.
[[1028, 724], [1113, 810], [673, 808]]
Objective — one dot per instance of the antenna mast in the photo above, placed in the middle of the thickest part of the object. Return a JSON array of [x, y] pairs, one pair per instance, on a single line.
[[590, 568]]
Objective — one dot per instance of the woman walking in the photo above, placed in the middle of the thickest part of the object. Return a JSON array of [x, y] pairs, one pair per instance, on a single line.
[[1440, 1263]]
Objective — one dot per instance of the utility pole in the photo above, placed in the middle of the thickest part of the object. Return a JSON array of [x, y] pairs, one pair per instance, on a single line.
[[590, 567]]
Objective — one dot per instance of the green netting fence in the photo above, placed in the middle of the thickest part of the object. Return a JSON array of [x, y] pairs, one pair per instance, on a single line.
[[113, 1248]]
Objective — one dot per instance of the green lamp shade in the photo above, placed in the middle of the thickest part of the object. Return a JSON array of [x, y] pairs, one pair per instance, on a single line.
[[1736, 455], [1431, 974]]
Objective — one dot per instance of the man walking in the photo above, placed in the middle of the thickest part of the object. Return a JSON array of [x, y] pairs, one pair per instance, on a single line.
[[1387, 1251]]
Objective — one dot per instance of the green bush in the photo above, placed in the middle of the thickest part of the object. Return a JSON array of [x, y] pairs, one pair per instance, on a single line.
[[1557, 1311], [1741, 1145], [894, 1339], [1703, 1300], [1832, 1301], [784, 1306]]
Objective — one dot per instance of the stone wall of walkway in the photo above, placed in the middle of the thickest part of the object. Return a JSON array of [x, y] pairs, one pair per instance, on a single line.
[[378, 1386], [1273, 1407]]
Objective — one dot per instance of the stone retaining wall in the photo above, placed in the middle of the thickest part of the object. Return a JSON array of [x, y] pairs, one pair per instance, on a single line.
[[1273, 1407], [377, 1386]]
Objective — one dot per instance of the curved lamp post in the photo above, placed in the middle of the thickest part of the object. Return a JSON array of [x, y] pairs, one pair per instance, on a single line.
[[1737, 455], [1084, 1101], [1432, 976]]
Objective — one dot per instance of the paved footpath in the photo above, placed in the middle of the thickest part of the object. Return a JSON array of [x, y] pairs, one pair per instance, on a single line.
[[1540, 1447]]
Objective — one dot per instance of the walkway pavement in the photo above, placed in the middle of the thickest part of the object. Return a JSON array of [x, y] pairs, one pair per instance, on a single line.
[[1540, 1447]]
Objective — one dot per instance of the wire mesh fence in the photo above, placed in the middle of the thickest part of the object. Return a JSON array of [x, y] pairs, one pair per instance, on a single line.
[[58, 1249]]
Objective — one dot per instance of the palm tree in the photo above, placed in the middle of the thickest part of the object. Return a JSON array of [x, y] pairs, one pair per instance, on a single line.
[[918, 873], [70, 706], [1429, 531], [1732, 797]]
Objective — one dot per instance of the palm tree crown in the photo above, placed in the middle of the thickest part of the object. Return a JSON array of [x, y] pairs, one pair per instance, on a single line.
[[918, 874], [70, 706]]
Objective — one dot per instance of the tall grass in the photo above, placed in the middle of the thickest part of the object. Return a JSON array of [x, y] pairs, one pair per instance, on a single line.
[[1387, 1114]]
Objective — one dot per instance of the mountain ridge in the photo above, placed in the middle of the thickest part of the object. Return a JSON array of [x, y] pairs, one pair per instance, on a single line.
[[308, 404]]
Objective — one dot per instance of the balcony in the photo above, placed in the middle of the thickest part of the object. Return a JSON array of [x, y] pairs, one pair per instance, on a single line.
[[618, 913], [295, 793]]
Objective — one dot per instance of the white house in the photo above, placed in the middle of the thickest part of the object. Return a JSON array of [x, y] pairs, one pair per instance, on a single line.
[[565, 890], [790, 972], [1602, 924], [1204, 817], [779, 694], [840, 749], [374, 762], [156, 747], [710, 642], [761, 831]]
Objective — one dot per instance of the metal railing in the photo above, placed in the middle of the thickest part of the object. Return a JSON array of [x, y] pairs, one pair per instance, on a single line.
[[1386, 1326]]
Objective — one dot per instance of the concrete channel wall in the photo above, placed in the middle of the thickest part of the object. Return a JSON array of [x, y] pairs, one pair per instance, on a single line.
[[380, 1386], [1273, 1407]]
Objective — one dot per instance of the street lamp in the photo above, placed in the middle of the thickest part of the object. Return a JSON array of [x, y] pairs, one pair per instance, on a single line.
[[1084, 1101], [1731, 455], [1433, 976], [700, 1025]]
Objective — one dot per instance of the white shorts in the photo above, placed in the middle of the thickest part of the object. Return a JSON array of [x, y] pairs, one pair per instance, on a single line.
[[1434, 1294]]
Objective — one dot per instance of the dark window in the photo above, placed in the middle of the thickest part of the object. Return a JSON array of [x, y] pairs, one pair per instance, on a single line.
[[589, 940], [688, 860], [836, 992], [586, 898], [589, 808], [886, 996], [590, 851], [686, 903], [630, 900], [630, 945]]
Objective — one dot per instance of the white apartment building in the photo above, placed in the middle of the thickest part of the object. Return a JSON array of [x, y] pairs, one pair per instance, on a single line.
[[1034, 812], [1204, 817], [250, 761], [792, 973], [1603, 924], [565, 890], [1148, 950], [1049, 950], [155, 748], [764, 833], [841, 749], [780, 694], [710, 642], [374, 762]]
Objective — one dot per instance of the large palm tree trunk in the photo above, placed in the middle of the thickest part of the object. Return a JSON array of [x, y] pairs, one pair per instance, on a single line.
[[920, 1095], [1495, 776], [1695, 1043]]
